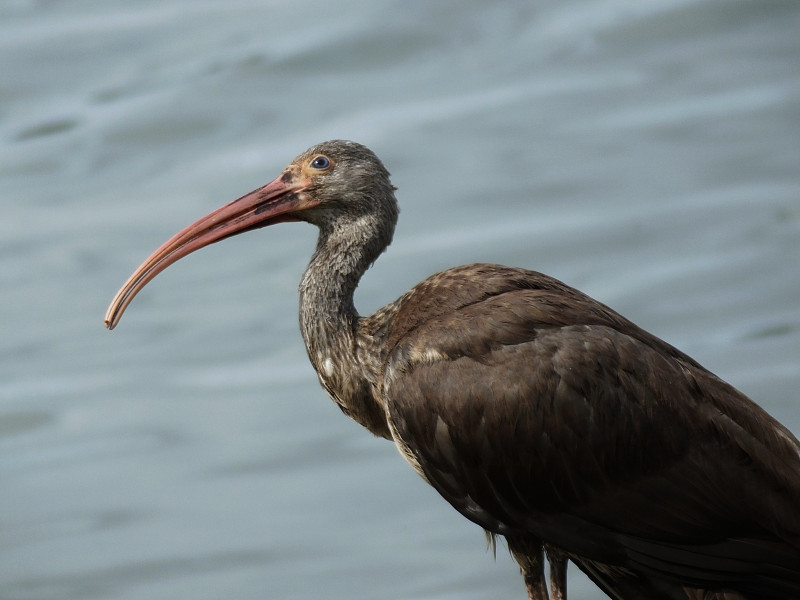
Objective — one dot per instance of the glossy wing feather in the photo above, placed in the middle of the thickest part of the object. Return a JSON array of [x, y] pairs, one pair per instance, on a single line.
[[537, 411]]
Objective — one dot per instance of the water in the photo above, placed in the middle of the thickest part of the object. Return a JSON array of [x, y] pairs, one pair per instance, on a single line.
[[645, 152]]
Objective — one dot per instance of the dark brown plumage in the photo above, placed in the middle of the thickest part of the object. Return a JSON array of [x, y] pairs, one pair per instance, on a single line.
[[539, 413]]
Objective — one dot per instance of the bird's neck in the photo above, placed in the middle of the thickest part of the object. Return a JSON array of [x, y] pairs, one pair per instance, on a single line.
[[327, 311], [329, 322]]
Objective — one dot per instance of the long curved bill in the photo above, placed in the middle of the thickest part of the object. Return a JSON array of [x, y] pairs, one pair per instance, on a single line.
[[276, 202]]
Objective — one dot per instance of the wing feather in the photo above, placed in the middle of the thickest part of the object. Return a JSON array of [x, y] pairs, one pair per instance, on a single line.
[[535, 410]]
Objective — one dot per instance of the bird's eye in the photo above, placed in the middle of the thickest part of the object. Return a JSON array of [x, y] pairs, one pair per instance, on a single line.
[[321, 162]]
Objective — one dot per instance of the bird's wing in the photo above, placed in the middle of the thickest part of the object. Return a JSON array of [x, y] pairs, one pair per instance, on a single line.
[[538, 410]]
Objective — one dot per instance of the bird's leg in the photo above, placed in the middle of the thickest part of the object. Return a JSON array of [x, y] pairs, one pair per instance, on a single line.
[[558, 573], [533, 575], [530, 558]]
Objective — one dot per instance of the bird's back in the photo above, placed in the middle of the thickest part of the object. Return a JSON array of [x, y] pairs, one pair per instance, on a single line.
[[537, 411]]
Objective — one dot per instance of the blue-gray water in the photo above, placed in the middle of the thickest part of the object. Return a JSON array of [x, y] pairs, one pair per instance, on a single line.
[[645, 152]]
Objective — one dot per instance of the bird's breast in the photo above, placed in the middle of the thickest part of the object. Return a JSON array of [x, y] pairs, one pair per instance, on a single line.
[[405, 450]]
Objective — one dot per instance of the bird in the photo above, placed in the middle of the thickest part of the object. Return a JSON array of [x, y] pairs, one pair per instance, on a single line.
[[538, 413]]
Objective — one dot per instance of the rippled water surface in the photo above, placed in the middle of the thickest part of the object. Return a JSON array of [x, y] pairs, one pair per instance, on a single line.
[[647, 153]]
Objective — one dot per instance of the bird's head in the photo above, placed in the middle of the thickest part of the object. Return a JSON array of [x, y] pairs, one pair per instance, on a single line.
[[331, 183]]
